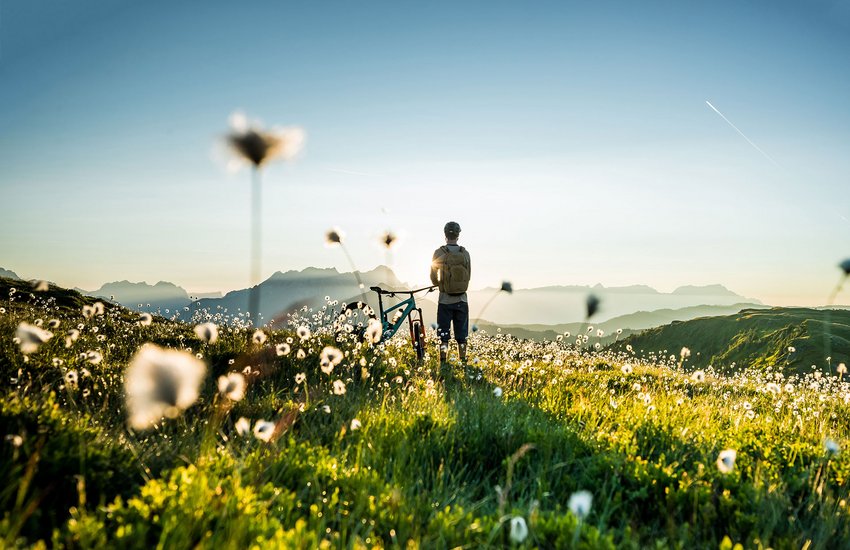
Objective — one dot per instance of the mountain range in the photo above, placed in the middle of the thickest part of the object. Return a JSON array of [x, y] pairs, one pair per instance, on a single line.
[[792, 339], [547, 309]]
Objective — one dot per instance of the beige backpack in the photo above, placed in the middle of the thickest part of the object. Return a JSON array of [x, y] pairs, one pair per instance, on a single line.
[[454, 271]]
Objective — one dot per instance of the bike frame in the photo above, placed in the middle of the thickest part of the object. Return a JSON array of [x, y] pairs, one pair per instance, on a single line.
[[407, 307]]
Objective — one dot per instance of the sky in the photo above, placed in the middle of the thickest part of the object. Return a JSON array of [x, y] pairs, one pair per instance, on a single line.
[[574, 142]]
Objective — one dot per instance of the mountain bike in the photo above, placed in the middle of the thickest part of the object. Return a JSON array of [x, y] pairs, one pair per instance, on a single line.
[[392, 317]]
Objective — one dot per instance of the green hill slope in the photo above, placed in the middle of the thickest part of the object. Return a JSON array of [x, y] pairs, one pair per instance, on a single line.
[[790, 338]]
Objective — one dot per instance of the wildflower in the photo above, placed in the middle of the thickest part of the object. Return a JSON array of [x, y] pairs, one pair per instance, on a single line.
[[145, 319], [303, 333], [355, 424], [329, 358], [264, 430], [726, 460], [619, 331], [326, 409], [30, 337], [339, 387], [259, 337], [497, 391], [773, 388], [841, 369], [845, 266], [507, 287], [71, 378], [600, 333], [627, 369], [698, 376], [791, 349], [94, 357], [40, 286], [373, 331], [831, 446], [300, 378], [207, 332], [53, 323], [300, 354], [232, 386], [16, 440], [160, 382], [685, 353], [388, 238], [519, 529], [282, 349], [579, 503], [257, 146], [592, 304], [334, 237], [243, 426], [71, 337]]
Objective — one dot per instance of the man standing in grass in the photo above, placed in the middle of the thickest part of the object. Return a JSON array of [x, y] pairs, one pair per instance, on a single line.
[[450, 271]]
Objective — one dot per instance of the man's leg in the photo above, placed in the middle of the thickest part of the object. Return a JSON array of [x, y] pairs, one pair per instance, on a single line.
[[461, 324], [444, 320]]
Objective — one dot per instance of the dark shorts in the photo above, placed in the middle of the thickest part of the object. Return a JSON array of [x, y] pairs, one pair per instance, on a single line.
[[453, 314]]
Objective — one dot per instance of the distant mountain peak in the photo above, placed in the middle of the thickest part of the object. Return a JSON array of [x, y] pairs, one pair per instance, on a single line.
[[9, 274], [706, 290]]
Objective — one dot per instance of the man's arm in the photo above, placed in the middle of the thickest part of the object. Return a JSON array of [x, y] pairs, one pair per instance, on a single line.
[[435, 266]]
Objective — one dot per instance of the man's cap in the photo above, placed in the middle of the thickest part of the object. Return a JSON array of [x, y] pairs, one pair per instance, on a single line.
[[452, 228]]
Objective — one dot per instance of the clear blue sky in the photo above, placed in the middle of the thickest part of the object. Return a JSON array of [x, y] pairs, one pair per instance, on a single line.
[[571, 140]]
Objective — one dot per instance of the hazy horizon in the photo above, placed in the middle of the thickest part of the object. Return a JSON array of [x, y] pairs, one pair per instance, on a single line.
[[658, 144]]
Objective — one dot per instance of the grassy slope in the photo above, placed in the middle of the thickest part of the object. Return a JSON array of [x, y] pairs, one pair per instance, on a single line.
[[425, 466], [758, 338]]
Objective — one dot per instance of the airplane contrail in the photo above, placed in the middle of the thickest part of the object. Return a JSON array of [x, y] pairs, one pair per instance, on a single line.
[[757, 148]]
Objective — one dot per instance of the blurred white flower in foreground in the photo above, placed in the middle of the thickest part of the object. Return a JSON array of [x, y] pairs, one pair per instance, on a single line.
[[374, 331], [232, 386], [329, 358], [264, 430], [161, 383], [832, 446], [726, 460], [355, 424], [145, 319], [243, 426], [519, 530], [339, 387], [207, 332], [254, 145], [259, 337], [580, 503], [497, 391], [30, 337]]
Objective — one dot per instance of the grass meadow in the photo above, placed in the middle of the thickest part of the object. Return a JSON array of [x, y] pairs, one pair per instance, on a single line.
[[128, 431]]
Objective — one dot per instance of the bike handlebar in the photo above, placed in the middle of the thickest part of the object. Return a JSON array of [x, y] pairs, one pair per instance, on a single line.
[[380, 290]]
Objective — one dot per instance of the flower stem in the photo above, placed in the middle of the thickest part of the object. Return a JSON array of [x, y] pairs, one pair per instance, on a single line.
[[256, 226]]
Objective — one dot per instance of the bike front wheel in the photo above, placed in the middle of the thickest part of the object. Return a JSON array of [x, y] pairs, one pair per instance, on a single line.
[[418, 338]]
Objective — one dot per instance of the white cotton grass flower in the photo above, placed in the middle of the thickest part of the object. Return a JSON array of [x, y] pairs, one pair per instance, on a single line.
[[301, 354], [251, 144], [339, 387], [71, 336], [627, 369], [264, 430], [497, 391], [243, 426], [161, 383], [329, 358], [207, 332], [302, 332], [232, 386], [40, 286], [685, 353], [374, 331], [773, 388], [792, 349], [145, 319], [54, 323], [698, 376], [355, 424], [832, 447], [72, 378], [300, 378], [326, 409], [519, 529], [334, 237], [94, 357], [30, 337], [580, 503], [259, 337], [282, 349], [841, 369], [726, 460]]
